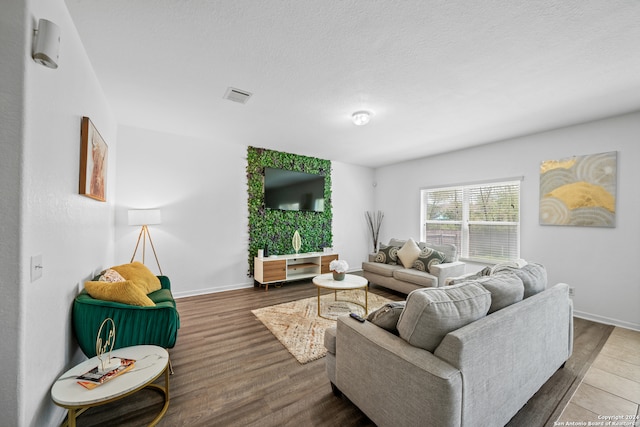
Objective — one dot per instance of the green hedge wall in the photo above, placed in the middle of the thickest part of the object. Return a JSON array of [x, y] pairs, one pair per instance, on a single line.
[[274, 229]]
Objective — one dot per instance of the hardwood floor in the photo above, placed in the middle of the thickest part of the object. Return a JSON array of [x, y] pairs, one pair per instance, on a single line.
[[231, 371]]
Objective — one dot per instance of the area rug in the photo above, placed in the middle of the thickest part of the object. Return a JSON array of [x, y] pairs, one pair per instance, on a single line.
[[297, 326]]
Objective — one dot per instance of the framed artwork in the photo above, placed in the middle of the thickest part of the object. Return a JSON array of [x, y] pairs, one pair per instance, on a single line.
[[93, 162], [579, 190]]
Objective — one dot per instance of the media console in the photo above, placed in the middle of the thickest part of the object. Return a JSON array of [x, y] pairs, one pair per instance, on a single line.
[[286, 268]]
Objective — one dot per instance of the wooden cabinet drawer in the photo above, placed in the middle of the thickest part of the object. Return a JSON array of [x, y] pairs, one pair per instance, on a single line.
[[326, 260], [271, 271]]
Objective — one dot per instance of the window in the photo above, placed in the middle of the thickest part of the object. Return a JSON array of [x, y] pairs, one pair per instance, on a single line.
[[482, 220]]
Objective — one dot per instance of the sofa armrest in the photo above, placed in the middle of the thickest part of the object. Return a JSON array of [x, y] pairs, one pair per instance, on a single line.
[[372, 257], [448, 269], [165, 282], [521, 347], [390, 380]]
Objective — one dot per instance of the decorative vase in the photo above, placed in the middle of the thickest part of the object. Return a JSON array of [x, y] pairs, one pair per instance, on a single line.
[[338, 276]]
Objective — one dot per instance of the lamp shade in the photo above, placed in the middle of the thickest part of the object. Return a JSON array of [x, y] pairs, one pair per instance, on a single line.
[[144, 216]]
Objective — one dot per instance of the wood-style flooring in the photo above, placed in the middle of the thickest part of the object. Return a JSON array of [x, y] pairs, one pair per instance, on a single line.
[[231, 371]]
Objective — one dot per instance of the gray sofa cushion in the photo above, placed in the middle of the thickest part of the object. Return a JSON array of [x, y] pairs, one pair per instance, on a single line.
[[397, 242], [416, 277], [381, 269], [432, 313], [533, 276], [386, 317], [506, 288]]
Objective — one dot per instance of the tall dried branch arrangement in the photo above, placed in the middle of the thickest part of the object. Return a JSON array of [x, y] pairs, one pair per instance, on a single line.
[[374, 221]]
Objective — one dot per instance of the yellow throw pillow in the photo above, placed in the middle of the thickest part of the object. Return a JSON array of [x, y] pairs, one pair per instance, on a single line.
[[125, 292], [139, 274]]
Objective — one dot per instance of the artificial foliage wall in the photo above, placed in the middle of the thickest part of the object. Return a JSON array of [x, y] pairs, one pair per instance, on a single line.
[[273, 229]]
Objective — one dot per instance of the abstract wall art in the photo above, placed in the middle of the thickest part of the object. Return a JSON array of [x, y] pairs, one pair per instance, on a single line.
[[93, 162], [579, 190]]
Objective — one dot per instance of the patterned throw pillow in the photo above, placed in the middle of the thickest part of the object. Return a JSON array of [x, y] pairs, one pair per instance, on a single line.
[[110, 276], [387, 255], [386, 317], [427, 258]]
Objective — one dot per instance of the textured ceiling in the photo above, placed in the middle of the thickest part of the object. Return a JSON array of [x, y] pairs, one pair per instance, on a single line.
[[438, 75]]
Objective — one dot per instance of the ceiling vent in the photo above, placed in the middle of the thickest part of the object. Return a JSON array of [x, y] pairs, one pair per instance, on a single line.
[[237, 95]]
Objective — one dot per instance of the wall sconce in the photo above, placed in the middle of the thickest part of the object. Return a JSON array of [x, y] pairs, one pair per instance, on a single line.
[[47, 44], [361, 118], [145, 217]]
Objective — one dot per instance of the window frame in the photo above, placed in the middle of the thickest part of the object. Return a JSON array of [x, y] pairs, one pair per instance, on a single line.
[[465, 223]]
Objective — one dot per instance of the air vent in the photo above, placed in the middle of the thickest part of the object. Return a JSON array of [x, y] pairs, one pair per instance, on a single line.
[[237, 95]]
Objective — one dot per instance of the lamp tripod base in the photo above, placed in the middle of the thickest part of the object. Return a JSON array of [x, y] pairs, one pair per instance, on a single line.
[[144, 234]]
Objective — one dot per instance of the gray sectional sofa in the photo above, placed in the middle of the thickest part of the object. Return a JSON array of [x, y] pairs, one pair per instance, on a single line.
[[393, 275], [431, 371]]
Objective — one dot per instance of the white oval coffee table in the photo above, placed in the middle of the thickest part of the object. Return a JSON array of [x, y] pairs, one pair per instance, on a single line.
[[150, 362], [351, 281]]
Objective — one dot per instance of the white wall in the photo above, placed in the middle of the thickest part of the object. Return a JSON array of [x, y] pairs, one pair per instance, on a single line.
[[74, 234], [201, 188], [598, 262], [352, 194], [13, 37]]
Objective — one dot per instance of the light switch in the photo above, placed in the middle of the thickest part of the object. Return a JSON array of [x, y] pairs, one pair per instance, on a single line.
[[36, 267]]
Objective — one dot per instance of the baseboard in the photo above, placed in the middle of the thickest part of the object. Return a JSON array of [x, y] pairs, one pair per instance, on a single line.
[[217, 289], [606, 320], [234, 287]]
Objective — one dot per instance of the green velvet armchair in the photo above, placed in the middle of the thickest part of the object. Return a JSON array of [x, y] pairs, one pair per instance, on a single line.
[[135, 325]]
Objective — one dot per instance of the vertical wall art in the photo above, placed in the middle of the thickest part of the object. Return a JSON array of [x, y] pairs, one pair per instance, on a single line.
[[579, 190], [93, 162]]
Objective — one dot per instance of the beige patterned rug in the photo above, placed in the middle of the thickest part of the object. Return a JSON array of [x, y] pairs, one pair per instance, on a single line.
[[297, 326]]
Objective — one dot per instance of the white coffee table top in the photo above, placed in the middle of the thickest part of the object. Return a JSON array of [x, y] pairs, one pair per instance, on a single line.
[[351, 281], [150, 363]]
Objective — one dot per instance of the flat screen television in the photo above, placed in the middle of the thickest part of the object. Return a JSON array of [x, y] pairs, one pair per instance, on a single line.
[[293, 191]]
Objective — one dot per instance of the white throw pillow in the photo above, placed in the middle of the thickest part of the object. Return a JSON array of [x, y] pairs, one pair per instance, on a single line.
[[409, 253]]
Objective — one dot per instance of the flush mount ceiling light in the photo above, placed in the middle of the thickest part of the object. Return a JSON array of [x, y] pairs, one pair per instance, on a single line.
[[361, 118]]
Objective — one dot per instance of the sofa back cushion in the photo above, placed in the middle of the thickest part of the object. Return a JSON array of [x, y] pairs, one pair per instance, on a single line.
[[506, 288], [533, 276], [432, 313]]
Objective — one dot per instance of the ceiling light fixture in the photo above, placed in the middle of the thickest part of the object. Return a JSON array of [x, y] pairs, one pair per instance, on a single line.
[[361, 118]]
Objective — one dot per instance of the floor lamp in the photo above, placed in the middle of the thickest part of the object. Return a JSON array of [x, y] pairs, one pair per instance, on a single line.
[[145, 217]]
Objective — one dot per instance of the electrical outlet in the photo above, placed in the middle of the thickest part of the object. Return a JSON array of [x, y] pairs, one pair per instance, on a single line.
[[36, 267], [572, 292]]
